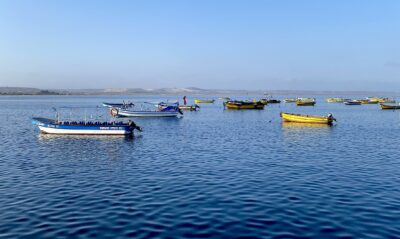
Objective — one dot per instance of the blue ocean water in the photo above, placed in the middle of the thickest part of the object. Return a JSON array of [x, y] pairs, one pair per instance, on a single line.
[[214, 173]]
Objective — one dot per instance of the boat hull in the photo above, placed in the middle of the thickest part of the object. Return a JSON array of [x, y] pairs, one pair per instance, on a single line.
[[300, 103], [352, 103], [204, 101], [274, 101], [188, 107], [244, 106], [235, 107], [50, 126], [86, 131], [270, 101], [122, 113], [310, 119], [368, 102], [390, 107]]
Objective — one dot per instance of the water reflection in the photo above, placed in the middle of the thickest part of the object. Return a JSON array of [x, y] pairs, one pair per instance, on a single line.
[[304, 125], [88, 147], [50, 137], [194, 177], [301, 132]]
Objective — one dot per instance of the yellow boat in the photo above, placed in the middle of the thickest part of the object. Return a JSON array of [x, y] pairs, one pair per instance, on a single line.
[[373, 98], [197, 101], [224, 98], [381, 100], [243, 105], [311, 119], [305, 102], [390, 107], [369, 101], [290, 100], [386, 100], [306, 99]]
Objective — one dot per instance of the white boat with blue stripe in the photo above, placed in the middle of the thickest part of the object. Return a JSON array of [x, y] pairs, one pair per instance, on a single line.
[[147, 109], [51, 126]]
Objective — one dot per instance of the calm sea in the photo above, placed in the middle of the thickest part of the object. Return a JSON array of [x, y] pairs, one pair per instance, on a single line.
[[211, 174]]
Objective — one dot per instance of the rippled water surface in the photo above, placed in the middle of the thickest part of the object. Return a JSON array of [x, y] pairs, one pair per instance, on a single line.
[[212, 174]]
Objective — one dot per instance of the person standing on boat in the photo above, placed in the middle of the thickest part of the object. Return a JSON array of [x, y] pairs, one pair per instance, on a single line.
[[184, 100]]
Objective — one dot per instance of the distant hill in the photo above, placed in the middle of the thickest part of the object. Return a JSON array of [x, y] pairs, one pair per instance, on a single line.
[[141, 91], [184, 91], [27, 91]]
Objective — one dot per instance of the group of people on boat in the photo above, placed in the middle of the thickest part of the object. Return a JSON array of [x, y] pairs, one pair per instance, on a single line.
[[94, 123]]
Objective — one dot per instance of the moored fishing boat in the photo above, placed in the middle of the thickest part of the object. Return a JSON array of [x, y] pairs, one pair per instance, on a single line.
[[243, 105], [305, 102], [290, 100], [184, 106], [273, 101], [270, 101], [352, 102], [336, 100], [368, 101], [305, 99], [224, 98], [147, 109], [189, 107], [311, 119], [390, 107], [52, 126], [381, 99], [386, 100], [118, 105], [140, 113], [198, 101]]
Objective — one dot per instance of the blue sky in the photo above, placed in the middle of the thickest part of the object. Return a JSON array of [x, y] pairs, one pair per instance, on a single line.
[[281, 44]]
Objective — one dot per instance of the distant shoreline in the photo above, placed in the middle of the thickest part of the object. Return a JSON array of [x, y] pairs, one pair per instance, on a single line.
[[22, 91]]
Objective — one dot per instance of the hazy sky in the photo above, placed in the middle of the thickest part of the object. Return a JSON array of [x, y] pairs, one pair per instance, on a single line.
[[281, 44]]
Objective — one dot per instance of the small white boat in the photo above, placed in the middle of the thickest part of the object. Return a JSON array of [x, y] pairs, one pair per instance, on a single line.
[[189, 107], [132, 113], [118, 105], [148, 110]]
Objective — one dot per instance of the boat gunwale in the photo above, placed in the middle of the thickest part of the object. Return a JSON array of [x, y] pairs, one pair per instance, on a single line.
[[306, 116]]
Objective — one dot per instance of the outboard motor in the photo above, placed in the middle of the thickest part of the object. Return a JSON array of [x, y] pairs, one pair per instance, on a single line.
[[134, 126], [330, 116]]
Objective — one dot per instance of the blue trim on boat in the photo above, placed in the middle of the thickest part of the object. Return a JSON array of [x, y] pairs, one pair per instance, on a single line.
[[50, 123]]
